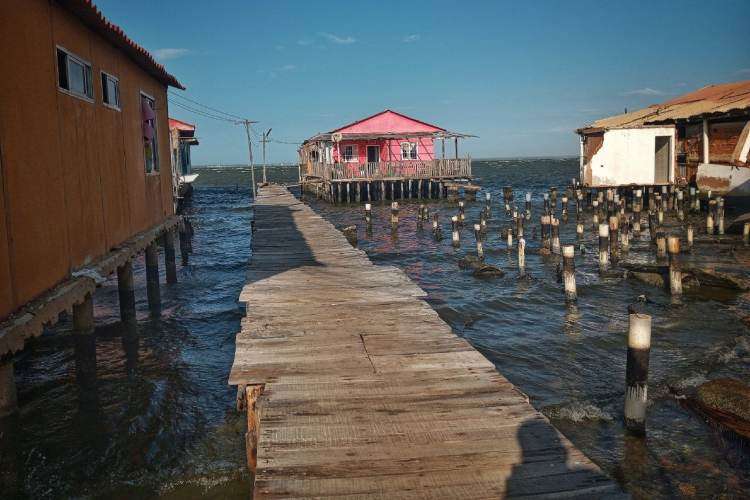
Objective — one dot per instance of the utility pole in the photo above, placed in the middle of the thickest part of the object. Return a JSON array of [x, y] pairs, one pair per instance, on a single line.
[[250, 154], [263, 140]]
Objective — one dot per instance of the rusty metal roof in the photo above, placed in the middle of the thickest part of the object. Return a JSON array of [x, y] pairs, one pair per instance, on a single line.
[[708, 101], [91, 16]]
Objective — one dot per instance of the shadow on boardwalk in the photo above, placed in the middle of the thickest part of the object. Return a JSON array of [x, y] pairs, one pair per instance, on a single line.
[[546, 471]]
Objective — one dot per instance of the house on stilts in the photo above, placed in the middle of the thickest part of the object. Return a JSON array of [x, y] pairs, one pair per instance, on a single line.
[[181, 139], [385, 156], [700, 138]]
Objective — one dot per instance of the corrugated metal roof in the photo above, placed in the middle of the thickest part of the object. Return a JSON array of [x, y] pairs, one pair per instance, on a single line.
[[91, 16], [710, 100]]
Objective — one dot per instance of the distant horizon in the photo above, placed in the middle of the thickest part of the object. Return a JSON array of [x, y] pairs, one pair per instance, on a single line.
[[491, 158]]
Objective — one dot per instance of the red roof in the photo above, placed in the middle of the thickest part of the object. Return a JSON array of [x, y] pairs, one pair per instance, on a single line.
[[90, 15], [181, 125]]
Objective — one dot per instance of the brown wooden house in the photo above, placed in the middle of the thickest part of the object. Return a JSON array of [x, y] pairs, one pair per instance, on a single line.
[[84, 143]]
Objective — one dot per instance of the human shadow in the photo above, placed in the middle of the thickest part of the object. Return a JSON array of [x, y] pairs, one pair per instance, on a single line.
[[546, 471]]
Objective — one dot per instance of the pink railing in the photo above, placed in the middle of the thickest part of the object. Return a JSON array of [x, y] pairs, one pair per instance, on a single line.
[[385, 170]]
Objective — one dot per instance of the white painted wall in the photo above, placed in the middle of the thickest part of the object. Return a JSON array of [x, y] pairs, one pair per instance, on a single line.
[[627, 157]]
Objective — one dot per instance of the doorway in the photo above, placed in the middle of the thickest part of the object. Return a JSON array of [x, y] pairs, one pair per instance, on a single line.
[[373, 154], [662, 158]]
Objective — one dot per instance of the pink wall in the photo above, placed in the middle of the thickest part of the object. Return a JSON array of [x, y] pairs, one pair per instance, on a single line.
[[425, 148]]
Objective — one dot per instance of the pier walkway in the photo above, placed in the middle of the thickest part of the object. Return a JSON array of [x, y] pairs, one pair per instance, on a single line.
[[357, 388]]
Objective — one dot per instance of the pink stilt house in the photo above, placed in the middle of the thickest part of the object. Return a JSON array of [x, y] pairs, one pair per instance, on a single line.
[[386, 152]]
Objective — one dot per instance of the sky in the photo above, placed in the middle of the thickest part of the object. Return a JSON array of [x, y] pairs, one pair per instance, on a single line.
[[520, 75]]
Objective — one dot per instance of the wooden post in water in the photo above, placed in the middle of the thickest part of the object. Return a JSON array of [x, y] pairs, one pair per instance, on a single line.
[[455, 236], [720, 215], [169, 256], [436, 226], [546, 236], [595, 213], [625, 237], [528, 205], [521, 257], [614, 237], [569, 272], [461, 215], [555, 224], [8, 393], [368, 213], [394, 214], [689, 232], [579, 230], [636, 373], [661, 244], [126, 292], [675, 275], [603, 246], [85, 350], [478, 238], [746, 233], [152, 277], [509, 238], [710, 217]]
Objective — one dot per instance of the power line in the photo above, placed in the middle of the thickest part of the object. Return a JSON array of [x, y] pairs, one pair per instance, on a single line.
[[204, 113], [230, 115]]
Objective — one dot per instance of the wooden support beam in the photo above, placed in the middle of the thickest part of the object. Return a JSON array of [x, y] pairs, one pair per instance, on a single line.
[[152, 277], [126, 292], [252, 394], [169, 256]]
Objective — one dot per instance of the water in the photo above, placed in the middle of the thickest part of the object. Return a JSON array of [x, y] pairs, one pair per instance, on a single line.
[[163, 421]]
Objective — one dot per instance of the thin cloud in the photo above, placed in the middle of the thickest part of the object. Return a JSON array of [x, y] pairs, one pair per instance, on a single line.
[[341, 40], [166, 54], [743, 71], [411, 38], [304, 42], [288, 67], [646, 91]]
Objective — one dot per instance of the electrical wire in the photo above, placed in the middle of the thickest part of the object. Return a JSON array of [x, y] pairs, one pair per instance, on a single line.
[[214, 110]]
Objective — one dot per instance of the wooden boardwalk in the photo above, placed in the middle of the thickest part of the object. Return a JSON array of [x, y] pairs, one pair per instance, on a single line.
[[367, 393]]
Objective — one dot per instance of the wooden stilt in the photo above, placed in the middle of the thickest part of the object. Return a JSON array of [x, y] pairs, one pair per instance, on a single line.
[[8, 396], [152, 277], [126, 292], [252, 395], [636, 377], [169, 256]]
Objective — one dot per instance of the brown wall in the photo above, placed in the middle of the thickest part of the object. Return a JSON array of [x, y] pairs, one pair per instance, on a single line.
[[722, 140], [73, 177]]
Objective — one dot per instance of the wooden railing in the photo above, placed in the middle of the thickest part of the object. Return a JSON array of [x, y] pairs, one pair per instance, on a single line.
[[384, 170]]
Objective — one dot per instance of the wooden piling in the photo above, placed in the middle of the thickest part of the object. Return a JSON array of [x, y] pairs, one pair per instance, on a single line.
[[579, 230], [461, 214], [478, 238], [8, 393], [603, 245], [675, 275], [455, 236], [636, 373], [689, 236], [152, 276], [436, 226], [555, 226], [394, 213], [746, 233], [509, 238], [126, 292], [521, 257], [661, 244], [169, 256], [614, 237], [569, 273]]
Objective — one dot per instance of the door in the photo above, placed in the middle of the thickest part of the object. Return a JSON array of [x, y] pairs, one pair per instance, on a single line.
[[662, 158], [373, 154]]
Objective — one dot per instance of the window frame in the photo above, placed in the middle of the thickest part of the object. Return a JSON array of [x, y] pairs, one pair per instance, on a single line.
[[156, 169], [355, 153], [116, 107], [89, 74], [412, 149]]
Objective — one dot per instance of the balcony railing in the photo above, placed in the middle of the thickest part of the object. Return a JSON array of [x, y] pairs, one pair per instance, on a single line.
[[386, 170]]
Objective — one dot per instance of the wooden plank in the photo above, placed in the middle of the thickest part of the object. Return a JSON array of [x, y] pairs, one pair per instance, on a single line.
[[367, 393]]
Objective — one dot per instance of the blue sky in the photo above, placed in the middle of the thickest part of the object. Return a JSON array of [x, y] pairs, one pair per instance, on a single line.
[[520, 75]]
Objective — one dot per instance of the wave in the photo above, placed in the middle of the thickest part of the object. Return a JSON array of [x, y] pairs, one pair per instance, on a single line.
[[577, 411]]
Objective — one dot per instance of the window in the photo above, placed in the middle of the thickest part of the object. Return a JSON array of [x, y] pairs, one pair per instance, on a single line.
[[349, 153], [110, 91], [74, 75], [408, 150], [150, 142]]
